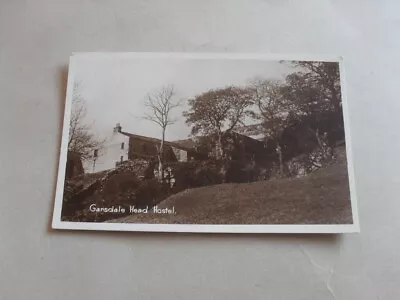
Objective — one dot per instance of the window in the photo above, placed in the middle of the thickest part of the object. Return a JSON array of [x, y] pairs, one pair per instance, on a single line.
[[95, 153], [122, 158], [122, 145]]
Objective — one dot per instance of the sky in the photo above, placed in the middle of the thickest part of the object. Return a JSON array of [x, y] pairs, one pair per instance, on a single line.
[[114, 88]]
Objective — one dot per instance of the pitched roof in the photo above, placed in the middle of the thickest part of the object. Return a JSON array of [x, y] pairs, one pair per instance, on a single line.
[[247, 137], [187, 145], [254, 131]]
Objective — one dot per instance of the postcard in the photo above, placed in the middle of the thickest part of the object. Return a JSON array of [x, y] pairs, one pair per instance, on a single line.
[[217, 143]]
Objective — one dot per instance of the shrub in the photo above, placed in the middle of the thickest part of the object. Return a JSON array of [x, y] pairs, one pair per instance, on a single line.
[[150, 192], [205, 176], [235, 172], [196, 174], [120, 183], [184, 175]]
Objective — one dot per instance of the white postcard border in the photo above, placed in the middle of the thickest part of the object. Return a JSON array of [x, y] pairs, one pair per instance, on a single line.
[[200, 228]]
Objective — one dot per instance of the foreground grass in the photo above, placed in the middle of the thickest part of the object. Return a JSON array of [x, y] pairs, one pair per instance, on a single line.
[[319, 198]]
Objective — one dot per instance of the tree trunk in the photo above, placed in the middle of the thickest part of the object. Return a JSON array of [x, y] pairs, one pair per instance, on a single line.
[[161, 157], [324, 148], [319, 139], [334, 98], [219, 150], [279, 151]]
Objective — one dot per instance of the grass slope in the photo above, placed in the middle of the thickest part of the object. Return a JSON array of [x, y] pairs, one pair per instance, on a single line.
[[319, 198]]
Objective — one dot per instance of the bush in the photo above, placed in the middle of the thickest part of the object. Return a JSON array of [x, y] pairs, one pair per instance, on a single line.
[[184, 175], [205, 177], [150, 192], [234, 172], [240, 172], [196, 174], [120, 183]]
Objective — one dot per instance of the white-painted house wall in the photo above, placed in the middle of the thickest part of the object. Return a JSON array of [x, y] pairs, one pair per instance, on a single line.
[[111, 153]]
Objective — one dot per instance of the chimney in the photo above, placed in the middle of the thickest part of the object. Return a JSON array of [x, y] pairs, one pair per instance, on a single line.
[[117, 127]]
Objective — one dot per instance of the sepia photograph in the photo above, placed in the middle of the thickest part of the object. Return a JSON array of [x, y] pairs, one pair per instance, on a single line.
[[205, 143]]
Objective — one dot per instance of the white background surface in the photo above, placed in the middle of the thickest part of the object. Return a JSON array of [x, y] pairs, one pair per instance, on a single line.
[[36, 38]]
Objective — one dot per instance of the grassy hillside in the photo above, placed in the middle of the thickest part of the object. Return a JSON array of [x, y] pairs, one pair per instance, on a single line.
[[319, 198]]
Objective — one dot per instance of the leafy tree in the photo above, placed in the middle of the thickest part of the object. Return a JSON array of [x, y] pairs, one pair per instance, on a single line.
[[272, 111], [326, 76], [316, 114], [217, 112]]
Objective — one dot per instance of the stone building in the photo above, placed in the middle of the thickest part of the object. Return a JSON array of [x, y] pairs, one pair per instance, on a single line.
[[115, 150], [121, 146]]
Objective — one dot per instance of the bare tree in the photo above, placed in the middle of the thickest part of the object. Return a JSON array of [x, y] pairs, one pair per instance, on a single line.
[[160, 104], [81, 140]]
